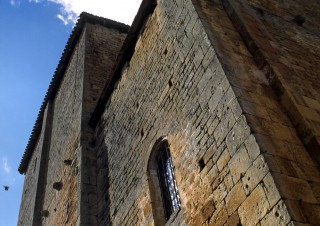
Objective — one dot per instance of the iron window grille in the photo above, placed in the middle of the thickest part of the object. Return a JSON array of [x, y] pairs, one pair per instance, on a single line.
[[167, 181]]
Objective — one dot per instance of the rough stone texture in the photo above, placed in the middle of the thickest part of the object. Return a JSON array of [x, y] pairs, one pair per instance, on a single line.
[[176, 87], [255, 77], [214, 79], [33, 185], [62, 205], [101, 48], [69, 137]]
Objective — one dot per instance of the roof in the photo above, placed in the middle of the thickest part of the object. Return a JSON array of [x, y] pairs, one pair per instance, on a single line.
[[58, 76]]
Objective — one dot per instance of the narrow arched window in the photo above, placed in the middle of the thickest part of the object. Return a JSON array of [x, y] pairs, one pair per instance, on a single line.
[[162, 183]]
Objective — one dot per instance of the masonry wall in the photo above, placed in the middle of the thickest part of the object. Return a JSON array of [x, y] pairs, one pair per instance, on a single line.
[[194, 80], [64, 142], [27, 213], [88, 70], [102, 47], [252, 42], [63, 205], [282, 149], [290, 49], [235, 94], [175, 86]]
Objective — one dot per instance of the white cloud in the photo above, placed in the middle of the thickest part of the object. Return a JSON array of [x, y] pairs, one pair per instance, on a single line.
[[119, 10], [15, 3], [5, 165], [63, 19]]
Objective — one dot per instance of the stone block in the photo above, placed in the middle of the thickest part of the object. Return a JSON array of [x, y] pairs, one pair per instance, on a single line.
[[254, 208], [207, 156], [235, 198], [295, 211], [224, 126], [252, 147], [316, 189], [233, 220], [239, 164], [219, 193], [219, 216], [275, 146], [223, 159], [294, 188], [237, 135], [280, 165], [306, 171], [311, 211], [228, 182], [277, 216], [254, 175], [271, 190], [205, 213]]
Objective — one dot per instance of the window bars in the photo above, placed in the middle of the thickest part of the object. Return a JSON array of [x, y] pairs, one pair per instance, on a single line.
[[167, 181]]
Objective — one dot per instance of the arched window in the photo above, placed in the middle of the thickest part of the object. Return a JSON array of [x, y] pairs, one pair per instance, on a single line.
[[162, 183]]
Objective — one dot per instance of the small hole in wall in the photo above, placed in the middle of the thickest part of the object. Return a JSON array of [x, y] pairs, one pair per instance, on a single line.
[[44, 213], [276, 214], [260, 12], [67, 162], [165, 52], [201, 164], [57, 186], [55, 209], [299, 20], [142, 133], [170, 83], [137, 105]]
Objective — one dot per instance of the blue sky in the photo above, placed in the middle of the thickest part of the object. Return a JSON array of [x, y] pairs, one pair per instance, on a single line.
[[33, 34]]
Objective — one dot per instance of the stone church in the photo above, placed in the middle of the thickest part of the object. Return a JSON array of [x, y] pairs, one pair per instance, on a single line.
[[203, 112]]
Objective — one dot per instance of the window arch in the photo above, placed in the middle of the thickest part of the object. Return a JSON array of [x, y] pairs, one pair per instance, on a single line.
[[164, 192]]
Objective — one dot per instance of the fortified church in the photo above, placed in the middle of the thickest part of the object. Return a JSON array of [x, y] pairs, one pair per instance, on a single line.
[[203, 112]]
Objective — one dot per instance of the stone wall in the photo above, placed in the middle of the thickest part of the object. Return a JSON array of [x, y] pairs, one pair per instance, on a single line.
[[270, 106], [235, 95], [102, 48], [238, 158], [65, 141], [67, 157], [28, 214]]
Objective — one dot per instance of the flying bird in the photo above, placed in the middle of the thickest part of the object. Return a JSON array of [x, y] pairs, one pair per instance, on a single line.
[[6, 188]]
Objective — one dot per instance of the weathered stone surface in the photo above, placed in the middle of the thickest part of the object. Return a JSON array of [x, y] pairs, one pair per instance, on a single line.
[[235, 197], [238, 135], [233, 220], [277, 216], [219, 80], [271, 190], [239, 164], [254, 207], [255, 174], [220, 216], [294, 188]]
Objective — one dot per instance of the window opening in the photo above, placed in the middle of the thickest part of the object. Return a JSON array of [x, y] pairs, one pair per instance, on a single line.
[[162, 183], [167, 181]]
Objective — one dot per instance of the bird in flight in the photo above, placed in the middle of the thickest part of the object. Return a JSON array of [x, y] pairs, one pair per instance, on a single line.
[[6, 188]]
